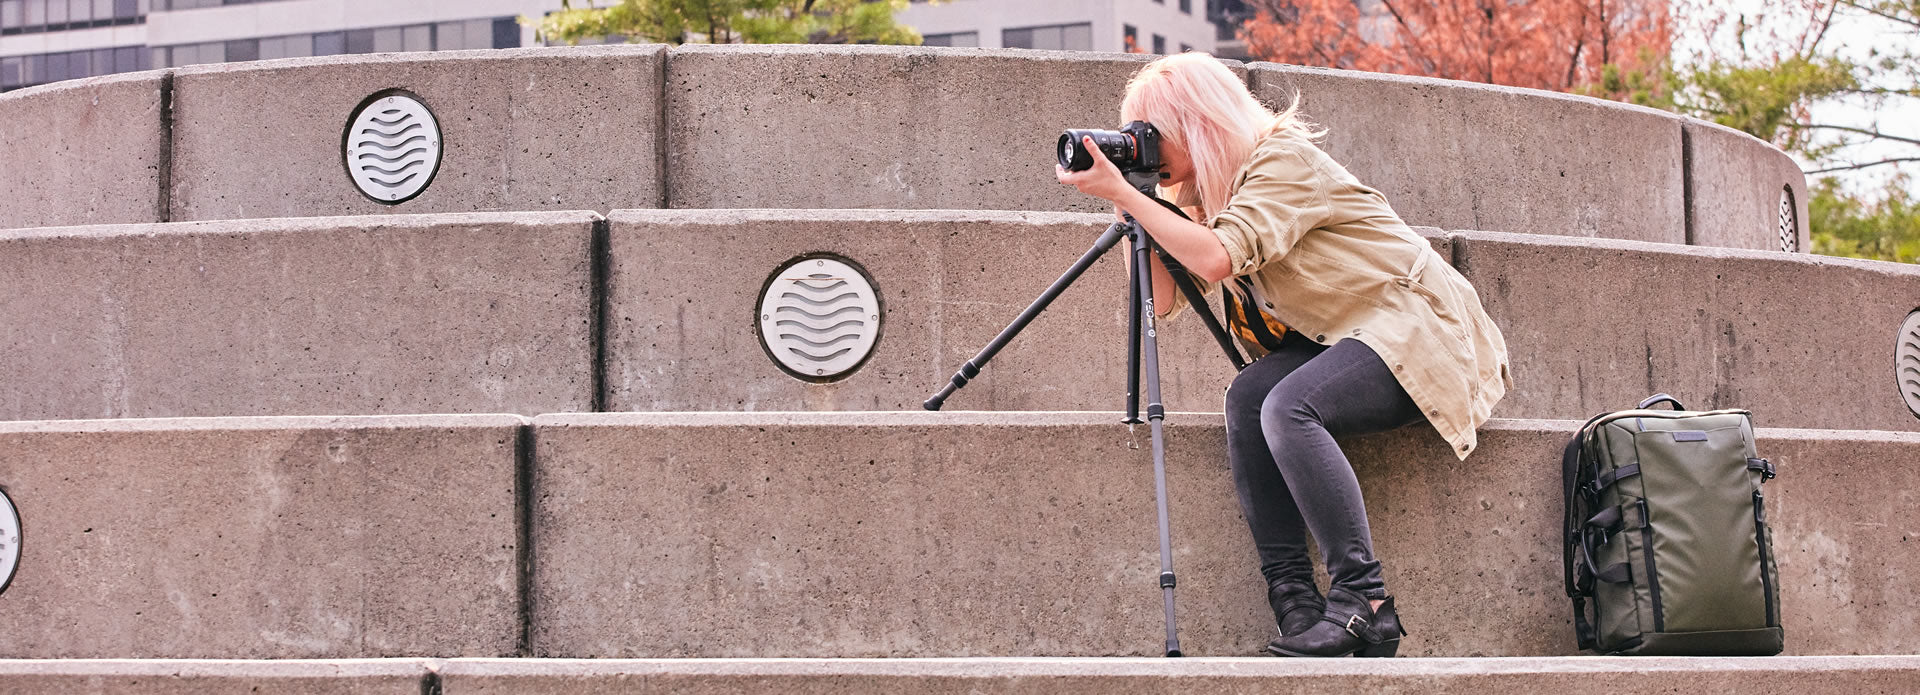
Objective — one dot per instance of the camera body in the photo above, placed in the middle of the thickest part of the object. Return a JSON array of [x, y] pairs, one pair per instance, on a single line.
[[1135, 148]]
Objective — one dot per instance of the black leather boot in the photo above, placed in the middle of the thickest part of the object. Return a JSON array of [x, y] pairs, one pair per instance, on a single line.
[[1296, 606], [1350, 627]]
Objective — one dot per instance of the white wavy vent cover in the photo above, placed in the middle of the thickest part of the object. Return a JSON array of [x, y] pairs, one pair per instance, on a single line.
[[9, 540], [819, 317], [1789, 229], [1906, 362], [393, 147]]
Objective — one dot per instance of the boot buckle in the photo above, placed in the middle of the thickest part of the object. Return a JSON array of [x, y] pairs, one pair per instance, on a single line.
[[1351, 619]]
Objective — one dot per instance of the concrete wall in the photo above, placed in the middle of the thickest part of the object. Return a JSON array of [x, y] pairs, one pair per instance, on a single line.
[[83, 152], [683, 335], [524, 130], [881, 127], [1586, 676], [822, 127], [1596, 325], [324, 316], [1734, 182], [211, 677], [264, 538], [1026, 534], [1461, 155]]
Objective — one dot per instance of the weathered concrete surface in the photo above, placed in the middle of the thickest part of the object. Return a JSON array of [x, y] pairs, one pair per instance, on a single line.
[[1032, 534], [881, 126], [1596, 325], [683, 334], [323, 316], [571, 128], [1584, 676], [263, 537], [1734, 182], [1460, 155], [206, 677], [83, 152]]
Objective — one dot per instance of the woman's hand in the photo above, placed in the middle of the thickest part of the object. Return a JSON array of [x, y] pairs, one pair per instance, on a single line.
[[1102, 180]]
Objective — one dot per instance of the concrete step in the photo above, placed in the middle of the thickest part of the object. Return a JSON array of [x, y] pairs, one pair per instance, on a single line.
[[819, 535], [1499, 676], [648, 126], [1033, 534], [655, 311]]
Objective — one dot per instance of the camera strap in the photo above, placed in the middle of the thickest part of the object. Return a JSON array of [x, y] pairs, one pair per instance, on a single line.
[[1248, 320]]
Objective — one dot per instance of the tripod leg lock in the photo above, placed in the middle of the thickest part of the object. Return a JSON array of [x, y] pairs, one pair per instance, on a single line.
[[1155, 411], [1166, 580], [967, 372]]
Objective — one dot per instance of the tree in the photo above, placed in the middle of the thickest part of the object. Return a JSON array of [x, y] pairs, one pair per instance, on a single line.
[[730, 21], [1887, 228], [1559, 45]]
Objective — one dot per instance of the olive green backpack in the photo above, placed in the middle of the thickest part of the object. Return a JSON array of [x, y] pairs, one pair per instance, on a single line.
[[1666, 534]]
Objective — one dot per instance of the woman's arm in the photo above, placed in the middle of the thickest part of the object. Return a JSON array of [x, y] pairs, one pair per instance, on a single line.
[[1193, 244]]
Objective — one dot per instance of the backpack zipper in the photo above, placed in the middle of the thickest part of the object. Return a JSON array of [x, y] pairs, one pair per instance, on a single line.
[[1760, 536], [1653, 576]]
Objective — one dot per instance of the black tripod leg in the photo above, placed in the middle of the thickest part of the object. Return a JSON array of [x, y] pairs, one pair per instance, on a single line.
[[1134, 287], [972, 367], [1156, 413]]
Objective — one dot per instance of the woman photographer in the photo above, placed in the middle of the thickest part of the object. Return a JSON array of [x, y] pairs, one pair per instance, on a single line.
[[1365, 329]]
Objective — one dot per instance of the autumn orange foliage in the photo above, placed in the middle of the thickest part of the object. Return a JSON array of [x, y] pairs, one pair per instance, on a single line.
[[1559, 45]]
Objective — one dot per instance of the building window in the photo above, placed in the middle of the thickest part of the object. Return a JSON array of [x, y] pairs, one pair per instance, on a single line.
[[1159, 44], [1186, 47], [964, 38], [1186, 6], [1059, 37], [1129, 38]]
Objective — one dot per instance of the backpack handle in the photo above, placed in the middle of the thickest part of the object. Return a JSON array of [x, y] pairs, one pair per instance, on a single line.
[[1658, 397]]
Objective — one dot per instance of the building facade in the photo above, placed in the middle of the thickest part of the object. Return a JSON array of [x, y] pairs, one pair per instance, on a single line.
[[45, 41], [1145, 26]]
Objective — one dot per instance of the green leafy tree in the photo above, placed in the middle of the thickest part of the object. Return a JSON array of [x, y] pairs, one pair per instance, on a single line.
[[729, 21], [1887, 228], [1780, 66]]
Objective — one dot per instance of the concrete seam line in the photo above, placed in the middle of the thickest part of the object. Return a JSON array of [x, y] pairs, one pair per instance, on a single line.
[[663, 174], [164, 202], [1687, 191], [523, 531], [599, 282]]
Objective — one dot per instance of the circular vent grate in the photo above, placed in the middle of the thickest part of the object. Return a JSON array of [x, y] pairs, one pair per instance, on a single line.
[[9, 541], [1789, 222], [1906, 362], [819, 317], [392, 147]]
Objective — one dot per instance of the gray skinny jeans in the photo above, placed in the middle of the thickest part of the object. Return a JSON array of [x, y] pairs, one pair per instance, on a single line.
[[1283, 412]]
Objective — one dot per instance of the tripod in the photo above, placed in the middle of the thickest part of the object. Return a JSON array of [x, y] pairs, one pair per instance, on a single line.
[[1141, 333]]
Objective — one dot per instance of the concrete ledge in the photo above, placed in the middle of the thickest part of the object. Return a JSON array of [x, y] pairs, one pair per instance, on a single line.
[[882, 126], [682, 334], [210, 677], [474, 312], [84, 152], [1596, 325], [1595, 676], [1462, 155], [1032, 534], [264, 537], [1734, 183], [524, 129]]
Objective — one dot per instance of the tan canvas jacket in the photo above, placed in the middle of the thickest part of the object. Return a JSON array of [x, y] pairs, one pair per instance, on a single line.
[[1332, 261]]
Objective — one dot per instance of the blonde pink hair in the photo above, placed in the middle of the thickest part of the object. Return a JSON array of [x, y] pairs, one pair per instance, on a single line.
[[1205, 109]]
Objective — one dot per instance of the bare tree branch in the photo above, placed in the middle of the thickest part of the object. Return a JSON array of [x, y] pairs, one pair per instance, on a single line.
[[1851, 129], [1875, 11], [1851, 167]]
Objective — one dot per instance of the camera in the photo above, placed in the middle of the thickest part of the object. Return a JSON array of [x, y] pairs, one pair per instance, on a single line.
[[1134, 148]]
